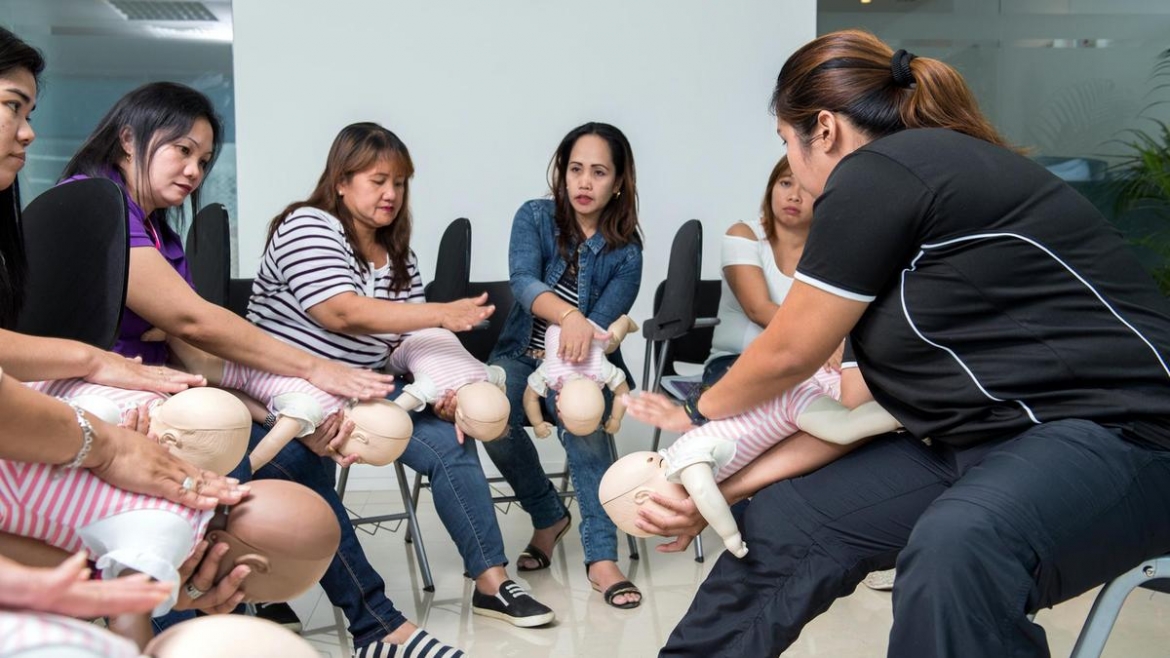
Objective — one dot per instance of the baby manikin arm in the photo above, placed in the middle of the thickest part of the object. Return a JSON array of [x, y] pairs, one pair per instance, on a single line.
[[196, 361], [699, 481], [619, 408], [617, 332], [297, 414], [535, 417], [828, 420]]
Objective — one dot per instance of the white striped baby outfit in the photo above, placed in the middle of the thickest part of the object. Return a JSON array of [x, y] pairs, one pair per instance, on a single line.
[[729, 444], [553, 372], [42, 635], [74, 509], [439, 363]]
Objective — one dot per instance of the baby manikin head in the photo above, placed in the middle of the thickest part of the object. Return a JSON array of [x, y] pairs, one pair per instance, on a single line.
[[580, 406], [381, 430], [626, 487], [205, 426], [284, 532], [482, 411], [228, 636]]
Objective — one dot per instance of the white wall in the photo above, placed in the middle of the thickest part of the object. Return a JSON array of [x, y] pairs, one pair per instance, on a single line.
[[483, 92]]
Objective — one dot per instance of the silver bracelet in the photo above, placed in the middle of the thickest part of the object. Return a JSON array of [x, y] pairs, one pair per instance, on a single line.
[[86, 437]]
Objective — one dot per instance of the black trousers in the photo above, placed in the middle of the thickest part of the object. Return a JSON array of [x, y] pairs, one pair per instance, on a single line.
[[982, 536]]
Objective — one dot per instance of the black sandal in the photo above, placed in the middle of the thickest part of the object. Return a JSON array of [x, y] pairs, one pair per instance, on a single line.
[[542, 559], [616, 590]]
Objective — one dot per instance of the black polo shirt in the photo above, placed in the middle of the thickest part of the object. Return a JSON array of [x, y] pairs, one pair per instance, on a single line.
[[998, 296]]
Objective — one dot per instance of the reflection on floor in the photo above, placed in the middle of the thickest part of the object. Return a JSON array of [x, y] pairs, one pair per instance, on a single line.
[[586, 627]]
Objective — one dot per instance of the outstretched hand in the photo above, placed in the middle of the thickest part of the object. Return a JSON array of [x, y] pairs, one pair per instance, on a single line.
[[67, 590], [659, 411], [464, 314], [110, 369]]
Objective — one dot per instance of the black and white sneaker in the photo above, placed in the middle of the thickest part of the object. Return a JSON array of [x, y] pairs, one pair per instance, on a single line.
[[420, 644], [513, 605], [280, 613]]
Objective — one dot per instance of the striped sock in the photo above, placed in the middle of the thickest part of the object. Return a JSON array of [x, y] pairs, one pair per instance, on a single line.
[[420, 644]]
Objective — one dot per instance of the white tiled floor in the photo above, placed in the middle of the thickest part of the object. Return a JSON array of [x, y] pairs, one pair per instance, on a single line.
[[586, 627]]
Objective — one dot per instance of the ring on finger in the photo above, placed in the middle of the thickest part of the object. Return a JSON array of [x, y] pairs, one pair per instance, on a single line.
[[192, 591], [188, 484]]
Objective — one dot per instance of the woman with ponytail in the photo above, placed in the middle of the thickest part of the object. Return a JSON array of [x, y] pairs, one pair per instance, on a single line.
[[999, 318]]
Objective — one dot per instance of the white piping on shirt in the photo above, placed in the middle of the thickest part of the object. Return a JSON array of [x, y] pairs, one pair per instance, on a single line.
[[981, 236]]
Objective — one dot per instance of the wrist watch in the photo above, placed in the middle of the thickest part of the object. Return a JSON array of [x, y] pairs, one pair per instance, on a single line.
[[691, 407]]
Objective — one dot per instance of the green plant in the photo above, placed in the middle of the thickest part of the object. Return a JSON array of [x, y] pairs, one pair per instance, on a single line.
[[1143, 179]]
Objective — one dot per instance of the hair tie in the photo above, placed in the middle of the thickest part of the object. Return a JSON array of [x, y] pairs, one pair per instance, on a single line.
[[900, 66]]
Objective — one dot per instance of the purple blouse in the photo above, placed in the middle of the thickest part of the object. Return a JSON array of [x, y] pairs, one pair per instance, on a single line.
[[154, 235]]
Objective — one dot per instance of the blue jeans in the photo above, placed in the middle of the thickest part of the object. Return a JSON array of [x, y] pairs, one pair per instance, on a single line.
[[588, 457], [350, 582]]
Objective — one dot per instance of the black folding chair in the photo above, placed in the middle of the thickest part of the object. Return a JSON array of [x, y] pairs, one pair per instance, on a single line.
[[76, 240], [209, 253], [453, 266]]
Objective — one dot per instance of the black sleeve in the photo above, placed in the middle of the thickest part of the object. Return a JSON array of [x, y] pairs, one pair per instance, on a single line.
[[867, 225]]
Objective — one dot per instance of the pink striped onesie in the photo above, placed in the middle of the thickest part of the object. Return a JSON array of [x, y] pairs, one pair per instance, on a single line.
[[730, 444], [439, 363], [268, 388], [74, 509], [553, 372], [42, 635], [67, 389]]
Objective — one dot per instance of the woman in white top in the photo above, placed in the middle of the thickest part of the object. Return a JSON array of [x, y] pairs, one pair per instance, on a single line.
[[758, 262]]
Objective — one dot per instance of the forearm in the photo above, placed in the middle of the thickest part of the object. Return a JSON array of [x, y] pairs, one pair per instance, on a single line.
[[359, 316], [797, 455], [33, 358], [532, 407], [228, 336], [285, 430], [37, 428], [551, 308], [761, 314]]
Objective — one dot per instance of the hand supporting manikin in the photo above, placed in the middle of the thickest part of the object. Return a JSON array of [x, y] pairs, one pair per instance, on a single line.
[[204, 426], [580, 403], [440, 363], [284, 532], [626, 487]]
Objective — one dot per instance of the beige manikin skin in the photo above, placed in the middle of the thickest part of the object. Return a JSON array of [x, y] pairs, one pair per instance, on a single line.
[[381, 429], [229, 636], [580, 403], [284, 532], [626, 487], [205, 426]]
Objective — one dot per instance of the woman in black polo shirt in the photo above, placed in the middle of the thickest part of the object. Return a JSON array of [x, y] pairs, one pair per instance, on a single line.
[[993, 311]]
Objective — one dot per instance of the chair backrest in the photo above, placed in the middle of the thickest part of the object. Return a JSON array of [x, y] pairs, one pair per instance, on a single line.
[[453, 266], [77, 243], [695, 345], [239, 292], [676, 314], [209, 253], [480, 342]]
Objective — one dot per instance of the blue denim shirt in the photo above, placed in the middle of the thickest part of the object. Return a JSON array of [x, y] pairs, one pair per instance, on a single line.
[[607, 279]]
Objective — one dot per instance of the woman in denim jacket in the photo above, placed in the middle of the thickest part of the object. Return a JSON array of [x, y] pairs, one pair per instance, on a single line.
[[575, 261]]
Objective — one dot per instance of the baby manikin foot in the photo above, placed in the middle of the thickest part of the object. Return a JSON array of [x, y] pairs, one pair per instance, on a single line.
[[735, 545]]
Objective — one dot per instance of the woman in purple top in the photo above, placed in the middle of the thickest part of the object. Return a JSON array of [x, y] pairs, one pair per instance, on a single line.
[[158, 142]]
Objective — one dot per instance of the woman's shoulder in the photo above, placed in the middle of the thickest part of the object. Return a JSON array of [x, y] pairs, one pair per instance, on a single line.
[[310, 219], [748, 231], [537, 209]]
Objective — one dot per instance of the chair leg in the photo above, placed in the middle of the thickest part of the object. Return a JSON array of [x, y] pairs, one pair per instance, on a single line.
[[341, 482], [699, 548], [414, 490], [412, 524], [1105, 609]]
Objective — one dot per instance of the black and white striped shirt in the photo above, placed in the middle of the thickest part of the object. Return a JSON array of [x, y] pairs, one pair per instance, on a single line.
[[566, 289], [307, 262]]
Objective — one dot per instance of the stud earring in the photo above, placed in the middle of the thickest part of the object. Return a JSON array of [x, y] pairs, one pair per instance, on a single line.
[[618, 194]]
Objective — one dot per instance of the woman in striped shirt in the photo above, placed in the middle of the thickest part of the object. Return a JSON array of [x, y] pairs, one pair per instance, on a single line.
[[338, 278]]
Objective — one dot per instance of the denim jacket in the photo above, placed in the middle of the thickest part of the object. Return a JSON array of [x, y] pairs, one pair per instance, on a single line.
[[607, 279]]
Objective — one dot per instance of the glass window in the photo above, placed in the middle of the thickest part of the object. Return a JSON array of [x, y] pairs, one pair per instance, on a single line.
[[97, 50]]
